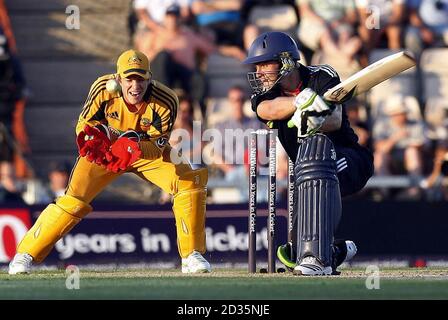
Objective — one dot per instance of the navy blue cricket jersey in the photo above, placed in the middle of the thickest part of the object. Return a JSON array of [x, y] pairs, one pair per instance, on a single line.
[[320, 79], [354, 163]]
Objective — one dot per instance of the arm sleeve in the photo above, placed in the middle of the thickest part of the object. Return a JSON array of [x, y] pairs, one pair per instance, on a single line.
[[257, 99], [93, 110], [328, 78]]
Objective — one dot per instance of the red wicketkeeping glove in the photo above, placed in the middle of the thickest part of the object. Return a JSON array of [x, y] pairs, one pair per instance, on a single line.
[[122, 154], [93, 144]]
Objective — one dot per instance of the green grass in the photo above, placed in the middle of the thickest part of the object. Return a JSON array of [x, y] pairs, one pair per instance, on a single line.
[[224, 284]]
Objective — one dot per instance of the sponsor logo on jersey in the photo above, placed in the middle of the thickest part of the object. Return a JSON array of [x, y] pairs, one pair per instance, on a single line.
[[145, 124], [113, 115], [333, 154]]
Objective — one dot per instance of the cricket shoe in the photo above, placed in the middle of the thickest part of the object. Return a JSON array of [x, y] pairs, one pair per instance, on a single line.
[[284, 255], [20, 264], [343, 251], [195, 263], [310, 266]]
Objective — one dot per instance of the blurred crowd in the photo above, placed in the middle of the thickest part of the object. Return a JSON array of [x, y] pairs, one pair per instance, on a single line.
[[408, 135]]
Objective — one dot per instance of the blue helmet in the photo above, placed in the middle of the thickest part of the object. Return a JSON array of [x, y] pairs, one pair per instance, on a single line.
[[271, 46]]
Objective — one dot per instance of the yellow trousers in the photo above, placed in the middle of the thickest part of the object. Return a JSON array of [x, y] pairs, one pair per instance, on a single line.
[[87, 180]]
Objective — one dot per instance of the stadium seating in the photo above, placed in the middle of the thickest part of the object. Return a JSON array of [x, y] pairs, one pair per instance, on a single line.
[[60, 64], [274, 17], [436, 117], [218, 112], [344, 69], [40, 29], [434, 65], [405, 83], [412, 106], [224, 72]]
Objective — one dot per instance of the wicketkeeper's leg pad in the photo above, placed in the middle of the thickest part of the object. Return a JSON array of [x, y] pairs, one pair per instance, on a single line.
[[53, 223], [189, 210]]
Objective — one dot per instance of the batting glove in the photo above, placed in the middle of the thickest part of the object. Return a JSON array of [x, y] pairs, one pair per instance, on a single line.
[[124, 152], [93, 143], [311, 112]]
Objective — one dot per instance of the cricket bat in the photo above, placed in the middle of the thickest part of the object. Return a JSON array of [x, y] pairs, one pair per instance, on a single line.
[[370, 76]]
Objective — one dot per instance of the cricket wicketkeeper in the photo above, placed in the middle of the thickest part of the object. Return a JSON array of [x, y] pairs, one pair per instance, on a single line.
[[122, 129], [329, 162]]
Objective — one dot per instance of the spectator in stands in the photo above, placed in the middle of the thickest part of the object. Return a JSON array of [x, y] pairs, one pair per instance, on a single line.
[[38, 192], [329, 26], [398, 143], [7, 174], [11, 92], [174, 57], [251, 31], [8, 51], [358, 124], [231, 130], [428, 25], [9, 189], [5, 25], [255, 22], [381, 19], [150, 15], [182, 137], [221, 20], [440, 166], [58, 178], [436, 116]]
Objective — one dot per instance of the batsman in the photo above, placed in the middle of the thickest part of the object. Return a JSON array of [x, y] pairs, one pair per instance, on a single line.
[[124, 127], [329, 162]]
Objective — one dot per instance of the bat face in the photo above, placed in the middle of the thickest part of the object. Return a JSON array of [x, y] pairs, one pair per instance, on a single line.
[[370, 76]]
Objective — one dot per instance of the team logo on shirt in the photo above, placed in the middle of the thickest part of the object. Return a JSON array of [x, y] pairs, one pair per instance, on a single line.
[[333, 154], [145, 124]]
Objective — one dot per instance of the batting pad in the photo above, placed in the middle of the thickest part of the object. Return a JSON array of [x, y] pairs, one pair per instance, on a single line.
[[318, 198]]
